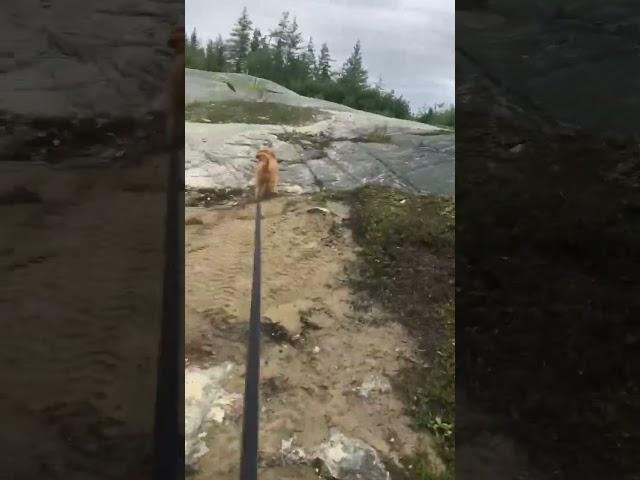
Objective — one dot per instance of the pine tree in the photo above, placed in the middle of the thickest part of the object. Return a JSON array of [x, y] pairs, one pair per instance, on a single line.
[[324, 63], [256, 40], [354, 76], [279, 39], [219, 55], [260, 63], [295, 70], [210, 56], [191, 48], [195, 54], [193, 41], [293, 42], [310, 58], [240, 41]]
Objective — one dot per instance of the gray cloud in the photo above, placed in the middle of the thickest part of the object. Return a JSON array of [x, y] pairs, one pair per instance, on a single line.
[[409, 43]]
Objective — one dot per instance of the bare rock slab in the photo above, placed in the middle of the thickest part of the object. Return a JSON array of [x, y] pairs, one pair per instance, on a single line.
[[206, 401]]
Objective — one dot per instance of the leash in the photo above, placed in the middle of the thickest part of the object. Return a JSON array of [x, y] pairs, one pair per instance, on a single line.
[[249, 459], [168, 455]]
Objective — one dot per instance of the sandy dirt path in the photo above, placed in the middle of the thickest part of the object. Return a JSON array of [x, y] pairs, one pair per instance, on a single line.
[[311, 384]]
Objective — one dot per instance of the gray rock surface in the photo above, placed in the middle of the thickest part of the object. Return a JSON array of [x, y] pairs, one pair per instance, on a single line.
[[77, 58], [210, 86], [550, 65], [346, 150]]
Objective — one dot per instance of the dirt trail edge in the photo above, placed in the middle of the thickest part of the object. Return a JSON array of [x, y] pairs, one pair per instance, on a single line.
[[328, 405]]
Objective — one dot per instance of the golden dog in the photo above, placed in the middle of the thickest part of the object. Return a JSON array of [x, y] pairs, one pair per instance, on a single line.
[[266, 173]]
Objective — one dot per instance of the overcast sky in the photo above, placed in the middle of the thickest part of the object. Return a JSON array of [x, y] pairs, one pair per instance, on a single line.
[[409, 43]]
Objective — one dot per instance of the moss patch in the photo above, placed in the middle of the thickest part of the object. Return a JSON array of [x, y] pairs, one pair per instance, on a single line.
[[207, 197], [377, 135], [406, 262], [251, 113]]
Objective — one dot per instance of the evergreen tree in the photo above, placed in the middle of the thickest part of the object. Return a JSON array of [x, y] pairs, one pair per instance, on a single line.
[[260, 63], [354, 75], [219, 55], [295, 71], [293, 42], [241, 41], [279, 35], [193, 42], [195, 53], [280, 56], [209, 56], [324, 63], [310, 59], [256, 40], [279, 40]]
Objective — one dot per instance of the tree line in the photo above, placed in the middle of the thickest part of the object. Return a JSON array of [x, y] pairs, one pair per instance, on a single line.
[[282, 56]]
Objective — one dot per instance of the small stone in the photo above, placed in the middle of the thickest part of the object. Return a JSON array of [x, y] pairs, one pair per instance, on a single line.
[[374, 384], [318, 210], [517, 148], [346, 458], [316, 349]]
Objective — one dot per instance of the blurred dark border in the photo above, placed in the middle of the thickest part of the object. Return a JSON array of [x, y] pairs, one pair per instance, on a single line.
[[548, 240], [83, 187]]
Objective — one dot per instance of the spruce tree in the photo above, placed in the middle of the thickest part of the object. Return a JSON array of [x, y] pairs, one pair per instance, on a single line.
[[193, 41], [279, 38], [219, 55], [324, 63], [209, 63], [293, 41], [354, 75], [310, 58], [241, 41], [195, 52], [192, 48], [256, 40]]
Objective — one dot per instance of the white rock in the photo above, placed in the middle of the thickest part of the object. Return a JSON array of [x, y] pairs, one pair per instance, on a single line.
[[374, 383], [325, 211], [345, 458], [205, 402], [291, 189], [292, 455]]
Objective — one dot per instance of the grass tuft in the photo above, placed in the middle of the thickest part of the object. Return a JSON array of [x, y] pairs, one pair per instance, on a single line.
[[263, 113]]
